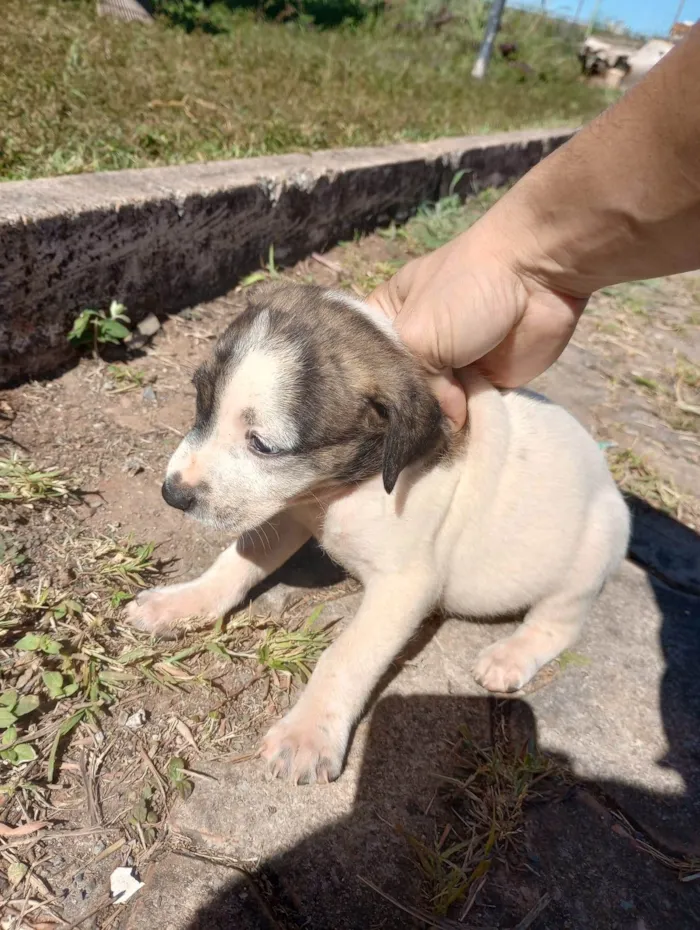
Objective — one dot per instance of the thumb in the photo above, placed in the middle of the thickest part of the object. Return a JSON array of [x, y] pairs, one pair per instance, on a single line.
[[451, 397]]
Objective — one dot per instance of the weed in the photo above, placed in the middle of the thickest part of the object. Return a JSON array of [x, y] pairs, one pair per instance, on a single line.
[[21, 481], [653, 386], [98, 328], [439, 223], [178, 778], [269, 270], [12, 707], [296, 651], [433, 225], [124, 379], [126, 563], [488, 794], [143, 816], [72, 665]]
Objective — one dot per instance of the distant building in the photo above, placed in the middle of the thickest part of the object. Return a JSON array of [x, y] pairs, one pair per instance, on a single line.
[[621, 64]]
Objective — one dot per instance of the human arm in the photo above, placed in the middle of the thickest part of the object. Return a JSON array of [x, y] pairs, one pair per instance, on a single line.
[[618, 202]]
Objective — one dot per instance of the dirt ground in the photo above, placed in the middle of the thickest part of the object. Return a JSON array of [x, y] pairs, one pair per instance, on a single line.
[[149, 714]]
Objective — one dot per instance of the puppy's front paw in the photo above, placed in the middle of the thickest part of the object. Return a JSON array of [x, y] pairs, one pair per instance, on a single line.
[[505, 666], [160, 610], [305, 749]]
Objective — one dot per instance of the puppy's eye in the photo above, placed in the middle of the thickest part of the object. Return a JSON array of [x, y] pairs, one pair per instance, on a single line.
[[262, 448]]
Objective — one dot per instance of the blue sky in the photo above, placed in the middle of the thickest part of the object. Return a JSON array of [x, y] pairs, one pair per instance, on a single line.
[[647, 16]]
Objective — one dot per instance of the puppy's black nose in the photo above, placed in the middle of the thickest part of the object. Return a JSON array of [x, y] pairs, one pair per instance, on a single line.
[[178, 495]]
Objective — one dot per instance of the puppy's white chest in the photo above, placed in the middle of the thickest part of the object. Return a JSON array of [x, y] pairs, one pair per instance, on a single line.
[[355, 531]]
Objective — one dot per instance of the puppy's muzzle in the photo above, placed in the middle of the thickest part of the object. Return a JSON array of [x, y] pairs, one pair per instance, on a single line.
[[178, 495]]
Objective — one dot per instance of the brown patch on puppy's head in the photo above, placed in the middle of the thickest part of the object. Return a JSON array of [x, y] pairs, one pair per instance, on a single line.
[[307, 389]]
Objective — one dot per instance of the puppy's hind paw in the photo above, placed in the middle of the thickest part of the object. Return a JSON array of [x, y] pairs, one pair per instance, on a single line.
[[505, 666]]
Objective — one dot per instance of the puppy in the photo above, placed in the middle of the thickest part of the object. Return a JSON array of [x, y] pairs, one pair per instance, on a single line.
[[313, 420]]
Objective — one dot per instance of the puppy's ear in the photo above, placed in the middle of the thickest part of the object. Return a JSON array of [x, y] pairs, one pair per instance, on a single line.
[[271, 291], [414, 426]]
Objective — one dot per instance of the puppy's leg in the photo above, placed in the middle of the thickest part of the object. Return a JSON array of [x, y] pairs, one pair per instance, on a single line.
[[554, 624], [550, 627], [239, 568], [309, 744]]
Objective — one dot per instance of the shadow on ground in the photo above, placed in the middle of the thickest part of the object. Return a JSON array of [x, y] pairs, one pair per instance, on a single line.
[[582, 852]]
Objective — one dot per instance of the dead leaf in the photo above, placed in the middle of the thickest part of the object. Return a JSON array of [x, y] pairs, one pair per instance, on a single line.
[[185, 732], [16, 872]]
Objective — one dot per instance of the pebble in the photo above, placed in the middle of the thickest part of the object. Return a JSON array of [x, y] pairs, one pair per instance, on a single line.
[[133, 467], [149, 326], [136, 720]]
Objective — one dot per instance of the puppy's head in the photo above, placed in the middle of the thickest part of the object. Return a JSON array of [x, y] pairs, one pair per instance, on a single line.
[[305, 391]]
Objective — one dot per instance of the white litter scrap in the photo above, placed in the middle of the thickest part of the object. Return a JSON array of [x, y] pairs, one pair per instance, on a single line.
[[136, 720], [124, 884]]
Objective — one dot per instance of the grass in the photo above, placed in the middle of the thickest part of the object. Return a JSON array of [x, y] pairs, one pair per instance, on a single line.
[[295, 651], [72, 678], [79, 93], [21, 481], [66, 658], [487, 795], [125, 378], [439, 223], [433, 225], [635, 476]]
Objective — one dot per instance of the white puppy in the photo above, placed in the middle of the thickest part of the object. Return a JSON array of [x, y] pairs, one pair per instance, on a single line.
[[312, 420]]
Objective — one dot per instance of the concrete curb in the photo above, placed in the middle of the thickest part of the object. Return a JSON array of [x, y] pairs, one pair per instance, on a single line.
[[162, 239]]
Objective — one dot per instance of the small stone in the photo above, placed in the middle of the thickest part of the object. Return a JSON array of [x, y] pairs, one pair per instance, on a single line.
[[149, 326], [136, 720], [133, 467]]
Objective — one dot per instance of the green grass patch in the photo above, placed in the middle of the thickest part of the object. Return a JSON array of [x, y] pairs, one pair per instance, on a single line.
[[79, 93], [21, 481]]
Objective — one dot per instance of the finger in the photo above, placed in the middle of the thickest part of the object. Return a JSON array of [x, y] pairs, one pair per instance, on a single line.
[[451, 397], [384, 299]]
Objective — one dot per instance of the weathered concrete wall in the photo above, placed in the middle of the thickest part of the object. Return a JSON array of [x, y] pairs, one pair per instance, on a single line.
[[164, 238]]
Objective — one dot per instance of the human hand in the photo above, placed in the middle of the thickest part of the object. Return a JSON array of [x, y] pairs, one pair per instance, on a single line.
[[472, 302]]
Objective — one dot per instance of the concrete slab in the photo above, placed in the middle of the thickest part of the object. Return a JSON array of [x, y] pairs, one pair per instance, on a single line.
[[162, 239], [621, 715]]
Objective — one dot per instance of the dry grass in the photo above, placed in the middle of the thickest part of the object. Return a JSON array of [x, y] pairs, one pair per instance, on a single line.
[[636, 476], [485, 801], [294, 651], [82, 94], [21, 480], [487, 794], [76, 683]]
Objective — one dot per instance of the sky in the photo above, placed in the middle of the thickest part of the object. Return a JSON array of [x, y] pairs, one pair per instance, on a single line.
[[646, 16]]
